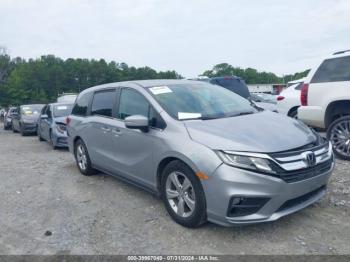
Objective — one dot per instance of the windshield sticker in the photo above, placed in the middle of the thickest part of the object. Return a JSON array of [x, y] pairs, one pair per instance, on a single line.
[[157, 90], [61, 107], [28, 112], [184, 115]]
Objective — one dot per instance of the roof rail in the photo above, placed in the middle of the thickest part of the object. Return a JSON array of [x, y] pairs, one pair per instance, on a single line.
[[341, 52]]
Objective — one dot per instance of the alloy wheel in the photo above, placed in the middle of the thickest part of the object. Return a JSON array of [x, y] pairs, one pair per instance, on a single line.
[[180, 194], [81, 157], [340, 137]]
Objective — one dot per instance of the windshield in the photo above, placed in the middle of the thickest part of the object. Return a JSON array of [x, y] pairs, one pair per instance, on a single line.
[[31, 110], [62, 110], [200, 101]]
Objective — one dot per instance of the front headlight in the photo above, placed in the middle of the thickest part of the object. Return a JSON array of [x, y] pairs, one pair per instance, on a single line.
[[61, 128], [247, 162]]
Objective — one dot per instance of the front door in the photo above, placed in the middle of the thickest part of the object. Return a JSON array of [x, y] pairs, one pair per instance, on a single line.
[[133, 149]]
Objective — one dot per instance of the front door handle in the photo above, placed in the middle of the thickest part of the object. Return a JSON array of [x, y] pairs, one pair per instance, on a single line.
[[116, 132], [105, 129]]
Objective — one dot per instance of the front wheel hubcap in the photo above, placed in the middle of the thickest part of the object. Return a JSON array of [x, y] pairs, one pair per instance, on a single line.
[[180, 194], [81, 157], [340, 137]]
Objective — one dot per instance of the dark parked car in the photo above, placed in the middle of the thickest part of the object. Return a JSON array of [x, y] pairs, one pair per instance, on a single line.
[[238, 86], [8, 117], [51, 124], [26, 118]]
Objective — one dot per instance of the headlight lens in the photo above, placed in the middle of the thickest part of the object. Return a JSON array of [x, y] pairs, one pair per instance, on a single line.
[[61, 128], [247, 162]]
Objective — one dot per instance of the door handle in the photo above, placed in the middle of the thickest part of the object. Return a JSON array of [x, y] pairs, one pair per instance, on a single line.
[[116, 132], [105, 129]]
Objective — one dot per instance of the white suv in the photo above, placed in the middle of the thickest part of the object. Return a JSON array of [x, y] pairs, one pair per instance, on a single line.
[[325, 99]]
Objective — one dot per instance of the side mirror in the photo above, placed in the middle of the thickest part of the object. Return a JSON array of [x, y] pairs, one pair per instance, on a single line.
[[44, 116], [137, 122]]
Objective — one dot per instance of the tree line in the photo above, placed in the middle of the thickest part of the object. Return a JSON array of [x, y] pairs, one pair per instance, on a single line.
[[41, 80], [251, 75]]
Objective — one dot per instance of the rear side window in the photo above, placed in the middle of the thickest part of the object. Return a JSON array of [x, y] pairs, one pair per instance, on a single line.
[[102, 103], [333, 70], [235, 85], [81, 105]]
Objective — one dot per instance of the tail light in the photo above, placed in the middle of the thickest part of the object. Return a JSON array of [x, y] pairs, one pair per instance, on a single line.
[[303, 94], [68, 120], [280, 98]]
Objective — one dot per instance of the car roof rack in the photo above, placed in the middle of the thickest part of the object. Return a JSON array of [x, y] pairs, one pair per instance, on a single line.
[[341, 52]]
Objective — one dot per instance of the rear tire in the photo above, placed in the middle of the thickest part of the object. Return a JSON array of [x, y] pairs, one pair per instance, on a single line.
[[82, 159], [339, 134], [13, 129], [185, 202]]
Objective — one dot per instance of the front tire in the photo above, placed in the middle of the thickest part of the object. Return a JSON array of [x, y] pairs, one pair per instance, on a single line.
[[183, 195], [39, 135], [54, 147], [339, 134], [82, 159]]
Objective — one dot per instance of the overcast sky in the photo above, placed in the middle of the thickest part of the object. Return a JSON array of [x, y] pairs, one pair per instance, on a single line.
[[188, 36]]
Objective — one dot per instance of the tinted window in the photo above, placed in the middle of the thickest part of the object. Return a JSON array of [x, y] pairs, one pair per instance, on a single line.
[[81, 105], [132, 103], [102, 103], [299, 86], [49, 112], [235, 85], [332, 70]]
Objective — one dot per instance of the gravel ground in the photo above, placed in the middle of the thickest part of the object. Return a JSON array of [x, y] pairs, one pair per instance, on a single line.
[[47, 207]]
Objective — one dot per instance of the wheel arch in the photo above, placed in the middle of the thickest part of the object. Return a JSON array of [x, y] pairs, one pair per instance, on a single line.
[[335, 110], [165, 161], [294, 108]]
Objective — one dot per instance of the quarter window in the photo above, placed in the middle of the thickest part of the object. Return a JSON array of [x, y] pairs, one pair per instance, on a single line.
[[81, 105], [102, 103], [333, 70]]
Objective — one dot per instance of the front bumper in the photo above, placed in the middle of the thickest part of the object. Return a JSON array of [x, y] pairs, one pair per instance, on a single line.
[[283, 198], [60, 139], [312, 116], [29, 127]]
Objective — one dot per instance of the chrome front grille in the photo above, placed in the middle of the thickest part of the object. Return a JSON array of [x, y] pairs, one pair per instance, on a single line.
[[293, 166]]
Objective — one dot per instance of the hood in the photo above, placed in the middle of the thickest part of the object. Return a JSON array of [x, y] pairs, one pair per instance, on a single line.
[[263, 132]]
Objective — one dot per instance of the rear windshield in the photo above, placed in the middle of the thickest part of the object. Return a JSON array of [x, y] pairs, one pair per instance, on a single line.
[[62, 110], [235, 85], [333, 70]]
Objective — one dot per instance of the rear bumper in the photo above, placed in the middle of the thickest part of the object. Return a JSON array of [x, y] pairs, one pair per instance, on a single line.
[[312, 116], [283, 198]]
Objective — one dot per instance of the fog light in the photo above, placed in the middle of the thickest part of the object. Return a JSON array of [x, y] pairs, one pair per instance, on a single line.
[[244, 206]]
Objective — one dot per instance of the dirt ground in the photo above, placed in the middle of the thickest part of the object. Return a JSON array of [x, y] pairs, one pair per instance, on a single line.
[[48, 207]]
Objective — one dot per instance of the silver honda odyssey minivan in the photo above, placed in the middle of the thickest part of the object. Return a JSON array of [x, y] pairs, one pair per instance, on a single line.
[[207, 152]]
